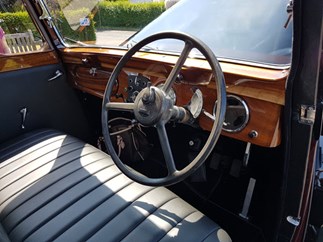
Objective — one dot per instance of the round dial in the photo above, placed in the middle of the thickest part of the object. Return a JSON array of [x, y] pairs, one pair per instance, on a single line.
[[237, 114]]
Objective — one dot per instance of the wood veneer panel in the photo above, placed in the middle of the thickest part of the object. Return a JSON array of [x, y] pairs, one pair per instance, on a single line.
[[262, 89], [264, 119], [255, 82], [232, 68], [28, 60]]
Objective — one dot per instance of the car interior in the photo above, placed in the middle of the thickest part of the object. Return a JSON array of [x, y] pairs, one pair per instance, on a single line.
[[116, 144]]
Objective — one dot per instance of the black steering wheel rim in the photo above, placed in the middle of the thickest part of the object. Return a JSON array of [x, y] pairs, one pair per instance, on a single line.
[[178, 175]]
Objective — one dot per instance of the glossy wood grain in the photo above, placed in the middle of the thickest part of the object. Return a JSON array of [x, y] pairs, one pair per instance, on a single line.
[[90, 79], [264, 116], [28, 60], [263, 89], [264, 119], [259, 83], [230, 68]]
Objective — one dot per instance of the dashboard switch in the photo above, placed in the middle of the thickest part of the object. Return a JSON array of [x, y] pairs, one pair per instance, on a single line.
[[253, 134]]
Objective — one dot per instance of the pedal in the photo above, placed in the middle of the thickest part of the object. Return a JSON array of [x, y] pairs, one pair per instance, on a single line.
[[199, 175], [215, 161], [236, 168], [248, 198]]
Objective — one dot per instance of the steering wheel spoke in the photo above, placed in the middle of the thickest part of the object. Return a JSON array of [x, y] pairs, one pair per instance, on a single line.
[[178, 66], [120, 106], [167, 151]]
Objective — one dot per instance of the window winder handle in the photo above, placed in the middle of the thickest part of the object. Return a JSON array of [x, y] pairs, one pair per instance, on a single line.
[[23, 114]]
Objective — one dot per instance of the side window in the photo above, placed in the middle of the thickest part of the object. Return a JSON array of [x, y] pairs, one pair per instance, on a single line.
[[108, 23], [18, 33]]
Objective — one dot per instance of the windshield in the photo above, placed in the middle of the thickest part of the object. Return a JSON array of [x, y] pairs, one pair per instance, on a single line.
[[249, 30]]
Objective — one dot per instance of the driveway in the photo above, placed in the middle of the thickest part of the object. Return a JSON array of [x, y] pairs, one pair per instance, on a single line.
[[112, 37]]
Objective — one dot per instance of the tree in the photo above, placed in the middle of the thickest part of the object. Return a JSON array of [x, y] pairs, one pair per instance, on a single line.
[[11, 6]]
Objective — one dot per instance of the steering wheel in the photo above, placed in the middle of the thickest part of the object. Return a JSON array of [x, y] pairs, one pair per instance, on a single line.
[[154, 108]]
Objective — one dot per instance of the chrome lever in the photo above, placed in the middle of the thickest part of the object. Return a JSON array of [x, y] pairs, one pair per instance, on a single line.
[[23, 113], [212, 117], [58, 73], [246, 155], [207, 114]]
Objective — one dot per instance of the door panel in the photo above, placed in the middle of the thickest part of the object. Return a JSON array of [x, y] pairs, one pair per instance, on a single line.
[[49, 104]]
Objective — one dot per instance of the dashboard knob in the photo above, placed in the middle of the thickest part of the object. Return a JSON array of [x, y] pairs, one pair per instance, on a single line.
[[253, 134]]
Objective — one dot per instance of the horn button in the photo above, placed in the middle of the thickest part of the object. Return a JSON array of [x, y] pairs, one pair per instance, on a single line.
[[152, 106]]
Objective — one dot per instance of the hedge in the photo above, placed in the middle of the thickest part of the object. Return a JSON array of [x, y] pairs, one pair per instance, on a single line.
[[17, 22], [20, 22], [86, 34], [127, 15], [109, 14]]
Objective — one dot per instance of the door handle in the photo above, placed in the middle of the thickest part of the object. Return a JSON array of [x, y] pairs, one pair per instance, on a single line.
[[58, 73]]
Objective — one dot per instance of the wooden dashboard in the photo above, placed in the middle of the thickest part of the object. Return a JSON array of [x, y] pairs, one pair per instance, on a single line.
[[262, 89]]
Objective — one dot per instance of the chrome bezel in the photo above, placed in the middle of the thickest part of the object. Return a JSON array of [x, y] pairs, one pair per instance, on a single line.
[[244, 124]]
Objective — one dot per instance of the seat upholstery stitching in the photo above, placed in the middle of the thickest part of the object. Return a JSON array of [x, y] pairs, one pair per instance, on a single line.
[[66, 205], [86, 213], [61, 178], [53, 170], [72, 203], [26, 174], [98, 228], [166, 232], [146, 217], [79, 216], [30, 137], [31, 146], [29, 141], [212, 231], [34, 159]]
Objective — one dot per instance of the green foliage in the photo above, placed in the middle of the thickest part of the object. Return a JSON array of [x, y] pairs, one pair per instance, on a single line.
[[109, 14], [11, 6], [17, 22], [20, 22], [112, 14], [80, 33]]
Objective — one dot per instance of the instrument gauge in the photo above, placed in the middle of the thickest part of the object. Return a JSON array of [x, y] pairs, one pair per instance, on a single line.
[[237, 114]]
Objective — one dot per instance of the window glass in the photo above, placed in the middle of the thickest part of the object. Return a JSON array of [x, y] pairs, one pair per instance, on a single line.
[[249, 30], [18, 34], [102, 22]]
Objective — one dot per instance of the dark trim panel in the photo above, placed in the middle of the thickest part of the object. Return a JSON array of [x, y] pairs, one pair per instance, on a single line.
[[50, 104], [299, 142]]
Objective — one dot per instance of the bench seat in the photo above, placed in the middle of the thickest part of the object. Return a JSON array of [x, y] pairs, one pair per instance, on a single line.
[[56, 187]]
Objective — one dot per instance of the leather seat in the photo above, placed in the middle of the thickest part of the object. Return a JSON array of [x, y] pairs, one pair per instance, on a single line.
[[56, 187]]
